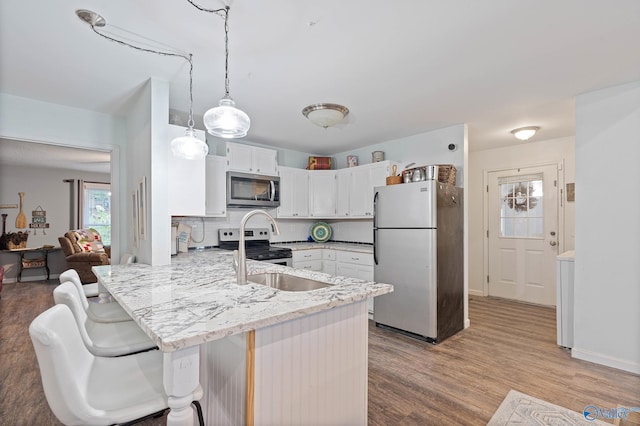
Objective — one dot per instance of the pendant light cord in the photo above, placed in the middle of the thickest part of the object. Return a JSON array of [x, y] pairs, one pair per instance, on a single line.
[[188, 58], [223, 13]]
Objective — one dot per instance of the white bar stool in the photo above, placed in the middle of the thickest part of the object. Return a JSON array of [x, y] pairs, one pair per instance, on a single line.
[[84, 389], [102, 338], [99, 312]]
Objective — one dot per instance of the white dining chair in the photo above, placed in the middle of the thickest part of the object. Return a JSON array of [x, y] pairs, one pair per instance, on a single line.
[[102, 338], [84, 389], [99, 312]]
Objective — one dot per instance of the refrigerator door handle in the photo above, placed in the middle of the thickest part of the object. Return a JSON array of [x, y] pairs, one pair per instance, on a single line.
[[375, 257], [375, 210]]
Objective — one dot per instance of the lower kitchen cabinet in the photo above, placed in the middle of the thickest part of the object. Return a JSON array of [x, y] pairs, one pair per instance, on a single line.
[[356, 265], [308, 259], [329, 261]]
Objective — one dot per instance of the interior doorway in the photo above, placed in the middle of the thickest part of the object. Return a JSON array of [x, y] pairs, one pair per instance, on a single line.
[[523, 233]]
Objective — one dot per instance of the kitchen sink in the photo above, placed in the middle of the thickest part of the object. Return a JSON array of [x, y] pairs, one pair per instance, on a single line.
[[286, 282]]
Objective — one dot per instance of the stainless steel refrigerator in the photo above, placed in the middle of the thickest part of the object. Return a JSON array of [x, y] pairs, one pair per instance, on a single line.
[[418, 247]]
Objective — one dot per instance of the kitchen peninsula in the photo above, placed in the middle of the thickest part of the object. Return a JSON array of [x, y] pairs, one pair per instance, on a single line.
[[261, 355]]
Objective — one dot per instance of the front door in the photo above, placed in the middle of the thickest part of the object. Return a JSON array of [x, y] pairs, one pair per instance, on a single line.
[[523, 233]]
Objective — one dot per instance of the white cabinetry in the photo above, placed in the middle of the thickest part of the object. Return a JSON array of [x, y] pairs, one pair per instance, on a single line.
[[251, 159], [294, 192], [216, 186], [322, 193], [308, 259], [356, 265], [186, 179], [329, 261], [354, 188]]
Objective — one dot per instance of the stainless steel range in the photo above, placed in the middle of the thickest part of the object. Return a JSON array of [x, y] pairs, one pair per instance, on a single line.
[[257, 245]]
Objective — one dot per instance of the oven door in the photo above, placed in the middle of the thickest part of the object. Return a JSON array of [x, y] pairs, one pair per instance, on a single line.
[[287, 261], [248, 190]]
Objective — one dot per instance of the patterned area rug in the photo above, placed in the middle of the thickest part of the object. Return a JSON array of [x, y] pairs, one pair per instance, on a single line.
[[520, 409]]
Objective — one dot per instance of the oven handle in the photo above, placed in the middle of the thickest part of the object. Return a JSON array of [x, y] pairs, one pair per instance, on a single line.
[[273, 190]]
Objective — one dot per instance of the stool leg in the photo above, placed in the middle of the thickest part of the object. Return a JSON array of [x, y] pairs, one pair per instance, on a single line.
[[199, 410]]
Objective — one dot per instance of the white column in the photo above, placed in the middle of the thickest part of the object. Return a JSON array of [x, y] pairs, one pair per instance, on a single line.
[[181, 379]]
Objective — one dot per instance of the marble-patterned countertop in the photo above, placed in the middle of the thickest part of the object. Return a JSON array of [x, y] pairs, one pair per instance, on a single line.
[[360, 248], [196, 298]]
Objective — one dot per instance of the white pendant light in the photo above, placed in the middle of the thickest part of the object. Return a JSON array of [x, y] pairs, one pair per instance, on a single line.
[[525, 133], [325, 115], [189, 147], [225, 120]]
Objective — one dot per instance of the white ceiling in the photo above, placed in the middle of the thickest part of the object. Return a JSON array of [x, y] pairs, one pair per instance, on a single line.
[[402, 68]]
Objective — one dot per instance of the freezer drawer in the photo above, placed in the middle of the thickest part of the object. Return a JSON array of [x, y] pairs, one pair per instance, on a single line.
[[405, 258]]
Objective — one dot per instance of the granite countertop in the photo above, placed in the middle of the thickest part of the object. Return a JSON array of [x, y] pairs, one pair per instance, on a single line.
[[196, 298], [360, 248]]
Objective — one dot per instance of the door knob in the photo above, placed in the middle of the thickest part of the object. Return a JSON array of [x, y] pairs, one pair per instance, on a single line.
[[553, 243]]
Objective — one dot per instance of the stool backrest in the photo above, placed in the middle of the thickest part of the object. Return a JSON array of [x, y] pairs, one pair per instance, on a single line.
[[71, 275], [64, 362], [67, 294]]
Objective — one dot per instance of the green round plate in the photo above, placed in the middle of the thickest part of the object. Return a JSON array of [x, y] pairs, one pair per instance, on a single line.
[[320, 232]]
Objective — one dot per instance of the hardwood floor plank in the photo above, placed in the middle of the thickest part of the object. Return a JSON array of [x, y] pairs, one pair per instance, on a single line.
[[460, 381]]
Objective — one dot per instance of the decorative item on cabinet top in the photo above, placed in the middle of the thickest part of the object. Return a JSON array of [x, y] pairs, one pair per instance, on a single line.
[[320, 163]]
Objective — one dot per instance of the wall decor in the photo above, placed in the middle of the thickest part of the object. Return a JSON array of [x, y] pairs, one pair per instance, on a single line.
[[8, 206], [352, 160], [136, 228], [21, 219], [39, 220], [571, 191], [142, 209]]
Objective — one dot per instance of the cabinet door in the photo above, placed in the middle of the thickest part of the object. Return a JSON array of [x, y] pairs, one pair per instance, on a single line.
[[216, 199], [186, 180], [329, 267], [343, 192], [322, 193], [239, 157], [359, 191], [264, 161], [294, 192]]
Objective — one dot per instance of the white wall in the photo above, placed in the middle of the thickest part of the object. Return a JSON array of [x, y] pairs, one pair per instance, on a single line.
[[43, 187], [62, 125], [524, 154], [607, 271]]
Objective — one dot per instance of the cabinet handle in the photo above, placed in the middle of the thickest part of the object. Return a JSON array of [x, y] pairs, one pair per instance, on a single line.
[[355, 258], [307, 255], [257, 170]]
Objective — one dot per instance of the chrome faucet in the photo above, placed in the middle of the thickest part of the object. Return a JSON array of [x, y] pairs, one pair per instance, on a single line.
[[241, 258]]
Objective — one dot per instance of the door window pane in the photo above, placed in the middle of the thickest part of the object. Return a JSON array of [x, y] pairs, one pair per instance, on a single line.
[[521, 212]]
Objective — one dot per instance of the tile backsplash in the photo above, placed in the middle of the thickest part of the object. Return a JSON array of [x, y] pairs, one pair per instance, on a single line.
[[204, 231]]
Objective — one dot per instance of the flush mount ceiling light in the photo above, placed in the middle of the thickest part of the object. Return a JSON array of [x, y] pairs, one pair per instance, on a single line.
[[525, 133], [325, 115], [188, 146], [225, 120]]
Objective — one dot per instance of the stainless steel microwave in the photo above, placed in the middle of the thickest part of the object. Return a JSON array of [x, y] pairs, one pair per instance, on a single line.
[[249, 190]]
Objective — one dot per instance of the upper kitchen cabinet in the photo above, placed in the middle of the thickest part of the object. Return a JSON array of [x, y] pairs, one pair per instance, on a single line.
[[294, 192], [251, 159], [355, 188], [186, 186], [322, 193], [216, 186]]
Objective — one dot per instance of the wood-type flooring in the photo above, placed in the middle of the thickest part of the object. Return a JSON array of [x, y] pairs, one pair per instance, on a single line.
[[460, 381]]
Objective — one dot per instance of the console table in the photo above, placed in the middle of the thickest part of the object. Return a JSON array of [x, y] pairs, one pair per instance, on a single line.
[[33, 258]]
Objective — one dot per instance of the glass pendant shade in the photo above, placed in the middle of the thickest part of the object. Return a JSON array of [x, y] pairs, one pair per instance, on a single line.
[[227, 121], [188, 146]]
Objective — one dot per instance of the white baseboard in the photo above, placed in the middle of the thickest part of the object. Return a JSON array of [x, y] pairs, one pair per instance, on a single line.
[[473, 292], [609, 361], [467, 323]]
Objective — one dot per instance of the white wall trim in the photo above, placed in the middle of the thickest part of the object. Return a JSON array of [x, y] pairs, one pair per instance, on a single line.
[[474, 292], [560, 164], [609, 361]]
